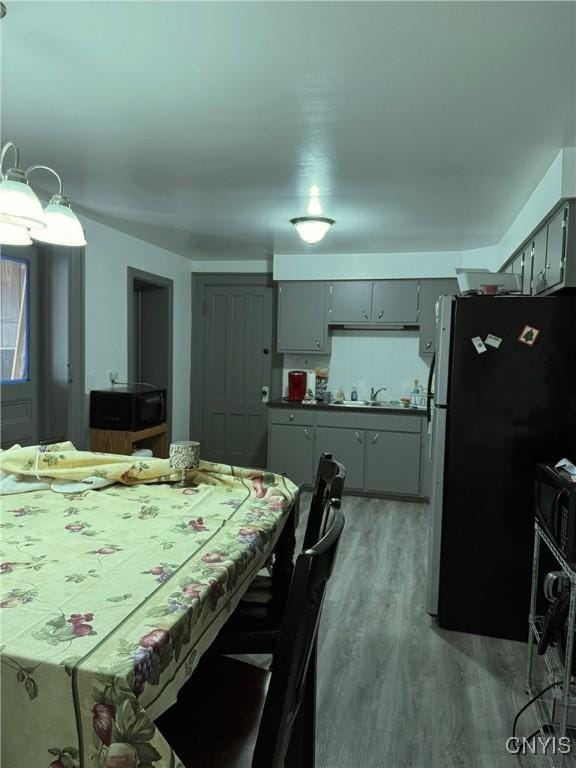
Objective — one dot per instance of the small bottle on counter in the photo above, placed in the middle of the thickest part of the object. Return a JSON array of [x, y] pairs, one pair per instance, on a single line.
[[354, 394]]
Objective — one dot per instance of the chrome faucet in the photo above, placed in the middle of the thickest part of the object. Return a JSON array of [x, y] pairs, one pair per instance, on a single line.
[[374, 393]]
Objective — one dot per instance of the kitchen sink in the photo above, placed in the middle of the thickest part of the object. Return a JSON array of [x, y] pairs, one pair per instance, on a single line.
[[368, 404]]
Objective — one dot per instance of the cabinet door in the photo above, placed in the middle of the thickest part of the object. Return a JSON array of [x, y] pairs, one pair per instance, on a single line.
[[350, 301], [556, 248], [430, 290], [302, 317], [393, 462], [291, 450], [526, 265], [539, 283], [347, 447], [395, 301]]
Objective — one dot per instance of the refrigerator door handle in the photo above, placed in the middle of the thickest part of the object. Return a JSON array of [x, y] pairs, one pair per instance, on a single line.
[[429, 393]]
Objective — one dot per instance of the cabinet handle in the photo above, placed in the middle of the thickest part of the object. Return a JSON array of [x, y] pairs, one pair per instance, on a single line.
[[291, 417], [317, 343], [358, 437], [428, 344], [375, 438], [380, 314], [365, 314], [308, 437]]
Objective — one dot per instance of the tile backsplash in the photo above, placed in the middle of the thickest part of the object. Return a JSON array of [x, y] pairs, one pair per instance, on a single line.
[[365, 359]]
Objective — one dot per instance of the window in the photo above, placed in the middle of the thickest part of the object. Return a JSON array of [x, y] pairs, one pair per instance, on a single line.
[[14, 325]]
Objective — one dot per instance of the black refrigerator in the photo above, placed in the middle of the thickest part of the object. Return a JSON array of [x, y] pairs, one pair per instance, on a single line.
[[504, 401]]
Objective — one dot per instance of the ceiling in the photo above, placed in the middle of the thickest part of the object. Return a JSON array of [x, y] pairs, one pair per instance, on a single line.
[[200, 126]]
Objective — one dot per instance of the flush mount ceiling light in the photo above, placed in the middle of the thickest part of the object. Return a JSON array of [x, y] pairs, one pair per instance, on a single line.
[[20, 207], [312, 228]]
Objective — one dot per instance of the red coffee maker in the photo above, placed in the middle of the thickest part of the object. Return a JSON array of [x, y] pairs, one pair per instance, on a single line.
[[296, 385]]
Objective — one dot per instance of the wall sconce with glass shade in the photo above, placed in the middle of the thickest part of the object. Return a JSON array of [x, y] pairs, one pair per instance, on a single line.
[[313, 227], [20, 208]]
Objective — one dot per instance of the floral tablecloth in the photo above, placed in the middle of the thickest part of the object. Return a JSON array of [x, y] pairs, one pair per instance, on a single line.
[[109, 597]]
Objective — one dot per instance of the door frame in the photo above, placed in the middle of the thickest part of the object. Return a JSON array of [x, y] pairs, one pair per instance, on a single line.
[[140, 276], [201, 281]]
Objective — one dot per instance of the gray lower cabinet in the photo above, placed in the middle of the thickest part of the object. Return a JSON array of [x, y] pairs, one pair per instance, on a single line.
[[291, 451], [303, 317], [382, 452], [347, 446], [393, 462]]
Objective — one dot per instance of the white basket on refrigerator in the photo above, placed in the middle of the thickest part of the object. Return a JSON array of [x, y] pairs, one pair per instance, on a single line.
[[487, 282]]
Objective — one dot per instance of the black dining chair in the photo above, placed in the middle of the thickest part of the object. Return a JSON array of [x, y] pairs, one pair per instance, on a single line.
[[254, 628], [224, 719]]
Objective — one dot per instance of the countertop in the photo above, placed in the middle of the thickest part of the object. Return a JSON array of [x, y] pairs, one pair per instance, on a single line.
[[360, 408]]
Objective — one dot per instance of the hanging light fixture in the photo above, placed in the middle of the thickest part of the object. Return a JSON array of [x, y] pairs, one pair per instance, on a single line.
[[312, 228], [12, 234], [62, 225], [18, 202], [21, 208]]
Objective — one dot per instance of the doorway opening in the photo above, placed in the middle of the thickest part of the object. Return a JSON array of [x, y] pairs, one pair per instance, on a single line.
[[150, 322]]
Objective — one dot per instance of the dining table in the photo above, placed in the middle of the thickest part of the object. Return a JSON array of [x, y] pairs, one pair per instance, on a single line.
[[114, 580]]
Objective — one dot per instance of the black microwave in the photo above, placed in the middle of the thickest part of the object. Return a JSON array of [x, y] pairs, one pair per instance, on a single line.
[[127, 408], [556, 508]]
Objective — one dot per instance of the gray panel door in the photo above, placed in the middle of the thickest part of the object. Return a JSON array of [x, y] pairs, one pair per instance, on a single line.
[[61, 392], [393, 462], [238, 335], [430, 290], [19, 346], [292, 452], [346, 446], [395, 301], [302, 316], [556, 246], [350, 301]]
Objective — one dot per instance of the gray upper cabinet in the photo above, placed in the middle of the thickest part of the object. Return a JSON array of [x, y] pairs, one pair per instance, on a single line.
[[539, 261], [547, 261], [525, 261], [556, 248], [377, 302], [303, 317], [395, 301], [430, 290], [350, 301]]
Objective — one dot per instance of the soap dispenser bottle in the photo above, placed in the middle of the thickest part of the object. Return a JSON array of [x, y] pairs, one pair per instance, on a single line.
[[354, 394], [415, 395]]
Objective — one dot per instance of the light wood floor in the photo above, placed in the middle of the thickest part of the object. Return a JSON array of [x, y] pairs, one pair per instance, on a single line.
[[394, 690]]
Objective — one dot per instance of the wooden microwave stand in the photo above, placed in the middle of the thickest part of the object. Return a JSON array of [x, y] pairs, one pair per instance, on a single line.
[[119, 441]]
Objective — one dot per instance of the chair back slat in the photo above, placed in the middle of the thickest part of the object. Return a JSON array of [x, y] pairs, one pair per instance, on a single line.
[[296, 643], [329, 484]]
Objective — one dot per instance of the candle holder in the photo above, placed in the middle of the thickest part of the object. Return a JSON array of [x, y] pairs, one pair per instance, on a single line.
[[184, 455]]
